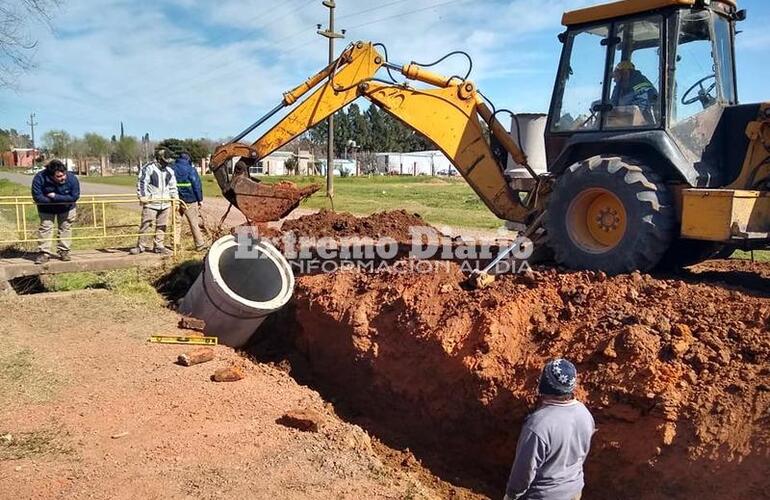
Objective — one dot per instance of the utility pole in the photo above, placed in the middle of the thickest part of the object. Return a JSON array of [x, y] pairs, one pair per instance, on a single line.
[[32, 123], [331, 35]]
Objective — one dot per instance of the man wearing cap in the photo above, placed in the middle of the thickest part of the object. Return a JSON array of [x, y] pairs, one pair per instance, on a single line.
[[632, 88], [554, 440], [188, 183], [156, 187]]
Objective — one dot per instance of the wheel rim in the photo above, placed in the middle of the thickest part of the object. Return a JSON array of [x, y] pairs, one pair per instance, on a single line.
[[596, 220]]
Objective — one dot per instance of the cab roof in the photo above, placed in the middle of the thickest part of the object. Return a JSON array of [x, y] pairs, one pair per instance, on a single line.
[[625, 8]]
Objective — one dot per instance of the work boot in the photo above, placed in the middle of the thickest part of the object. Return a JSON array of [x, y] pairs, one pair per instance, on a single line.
[[163, 251], [65, 256], [136, 250], [42, 258]]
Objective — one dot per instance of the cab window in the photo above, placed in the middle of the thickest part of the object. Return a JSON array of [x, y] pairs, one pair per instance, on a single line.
[[695, 87], [581, 81], [635, 99], [723, 38]]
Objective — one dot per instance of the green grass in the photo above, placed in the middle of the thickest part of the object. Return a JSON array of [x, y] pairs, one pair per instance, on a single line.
[[759, 255], [120, 220], [440, 201], [132, 284]]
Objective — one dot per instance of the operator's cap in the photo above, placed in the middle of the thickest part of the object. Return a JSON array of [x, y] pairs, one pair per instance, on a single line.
[[163, 154], [625, 65], [559, 378]]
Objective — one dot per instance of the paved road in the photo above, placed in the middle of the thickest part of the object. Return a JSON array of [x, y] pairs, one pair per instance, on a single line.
[[215, 208], [85, 186]]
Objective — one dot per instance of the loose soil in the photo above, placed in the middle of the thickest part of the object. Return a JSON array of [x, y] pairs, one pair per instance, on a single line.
[[674, 368], [432, 381], [328, 224], [675, 373]]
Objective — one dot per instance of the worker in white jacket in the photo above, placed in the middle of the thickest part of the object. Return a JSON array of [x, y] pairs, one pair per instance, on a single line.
[[156, 186]]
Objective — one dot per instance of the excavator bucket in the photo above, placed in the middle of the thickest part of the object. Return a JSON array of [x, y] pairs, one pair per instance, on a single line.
[[262, 202]]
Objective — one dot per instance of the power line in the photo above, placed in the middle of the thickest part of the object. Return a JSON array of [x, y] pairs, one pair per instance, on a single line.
[[293, 35], [32, 123], [220, 76], [381, 6], [407, 13], [209, 57]]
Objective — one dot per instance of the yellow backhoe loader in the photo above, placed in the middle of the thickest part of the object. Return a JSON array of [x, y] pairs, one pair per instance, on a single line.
[[650, 157]]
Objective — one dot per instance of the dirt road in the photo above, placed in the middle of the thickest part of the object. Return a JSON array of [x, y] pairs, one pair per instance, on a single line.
[[89, 409]]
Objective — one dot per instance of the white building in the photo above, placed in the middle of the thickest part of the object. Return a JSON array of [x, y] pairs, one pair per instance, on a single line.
[[341, 167], [275, 163], [416, 163]]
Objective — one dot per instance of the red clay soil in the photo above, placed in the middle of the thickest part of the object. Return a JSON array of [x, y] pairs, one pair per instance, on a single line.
[[261, 202], [677, 374], [326, 223]]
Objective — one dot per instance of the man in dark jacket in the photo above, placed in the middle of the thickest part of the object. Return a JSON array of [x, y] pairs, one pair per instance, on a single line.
[[55, 191], [188, 183], [554, 440]]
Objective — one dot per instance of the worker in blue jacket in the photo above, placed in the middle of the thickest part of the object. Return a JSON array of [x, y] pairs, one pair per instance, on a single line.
[[188, 183], [55, 191]]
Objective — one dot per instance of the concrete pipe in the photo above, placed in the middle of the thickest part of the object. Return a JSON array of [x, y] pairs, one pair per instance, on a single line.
[[238, 288]]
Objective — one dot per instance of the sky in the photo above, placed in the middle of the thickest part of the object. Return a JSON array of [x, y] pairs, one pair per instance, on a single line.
[[197, 68]]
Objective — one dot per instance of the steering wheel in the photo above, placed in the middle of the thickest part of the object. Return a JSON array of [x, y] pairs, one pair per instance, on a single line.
[[704, 94]]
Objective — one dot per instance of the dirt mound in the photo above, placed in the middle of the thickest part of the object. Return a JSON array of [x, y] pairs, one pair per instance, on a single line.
[[326, 223], [675, 373]]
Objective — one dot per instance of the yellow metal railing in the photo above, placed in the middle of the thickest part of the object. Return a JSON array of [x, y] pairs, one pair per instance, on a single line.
[[24, 207]]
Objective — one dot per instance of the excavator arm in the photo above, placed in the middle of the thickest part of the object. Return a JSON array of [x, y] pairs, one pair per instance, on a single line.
[[450, 115]]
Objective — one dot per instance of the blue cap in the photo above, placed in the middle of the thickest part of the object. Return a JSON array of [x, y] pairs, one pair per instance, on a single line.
[[559, 378]]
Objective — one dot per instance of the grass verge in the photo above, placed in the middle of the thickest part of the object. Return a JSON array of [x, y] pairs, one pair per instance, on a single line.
[[121, 219], [447, 201], [132, 284]]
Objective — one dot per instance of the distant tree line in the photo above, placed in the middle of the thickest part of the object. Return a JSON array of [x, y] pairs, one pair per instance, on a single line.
[[370, 131], [11, 138], [125, 149]]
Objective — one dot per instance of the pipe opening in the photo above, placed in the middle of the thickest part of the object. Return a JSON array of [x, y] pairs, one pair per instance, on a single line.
[[254, 279]]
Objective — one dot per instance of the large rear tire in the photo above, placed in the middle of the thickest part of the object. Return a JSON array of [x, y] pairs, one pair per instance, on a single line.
[[609, 214]]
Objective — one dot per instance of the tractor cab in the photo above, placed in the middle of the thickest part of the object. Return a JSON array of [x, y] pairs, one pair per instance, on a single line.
[[650, 78]]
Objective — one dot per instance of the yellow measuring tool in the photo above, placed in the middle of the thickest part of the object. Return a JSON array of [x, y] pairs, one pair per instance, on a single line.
[[170, 339]]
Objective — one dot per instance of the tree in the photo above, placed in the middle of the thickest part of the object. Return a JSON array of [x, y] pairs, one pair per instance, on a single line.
[[11, 138], [96, 145], [79, 148], [360, 129], [380, 138], [341, 133], [196, 148], [5, 142], [291, 164], [126, 150], [16, 42], [57, 142], [318, 135]]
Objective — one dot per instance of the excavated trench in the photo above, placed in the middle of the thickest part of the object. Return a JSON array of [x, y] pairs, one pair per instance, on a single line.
[[675, 369]]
